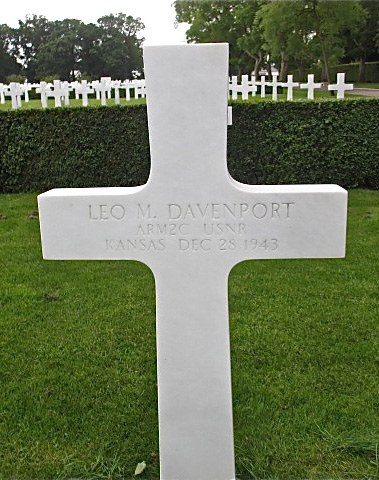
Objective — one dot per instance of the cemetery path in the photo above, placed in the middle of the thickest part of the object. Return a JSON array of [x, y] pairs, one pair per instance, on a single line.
[[368, 92]]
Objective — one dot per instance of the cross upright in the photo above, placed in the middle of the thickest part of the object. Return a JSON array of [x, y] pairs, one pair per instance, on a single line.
[[191, 223], [263, 84], [289, 85], [15, 93], [274, 84], [245, 88], [43, 90], [84, 90], [58, 93], [3, 89]]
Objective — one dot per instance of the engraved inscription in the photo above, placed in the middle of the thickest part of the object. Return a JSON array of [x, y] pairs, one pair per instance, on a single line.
[[192, 227]]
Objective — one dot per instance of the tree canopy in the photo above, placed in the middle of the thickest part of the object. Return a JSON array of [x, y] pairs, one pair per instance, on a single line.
[[289, 33], [40, 48]]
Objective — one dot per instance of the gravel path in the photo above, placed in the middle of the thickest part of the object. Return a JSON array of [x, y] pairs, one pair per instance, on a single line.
[[369, 92]]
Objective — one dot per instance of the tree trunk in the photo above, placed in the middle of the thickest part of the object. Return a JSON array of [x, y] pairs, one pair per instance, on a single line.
[[269, 70], [283, 68], [362, 70], [326, 71], [258, 61]]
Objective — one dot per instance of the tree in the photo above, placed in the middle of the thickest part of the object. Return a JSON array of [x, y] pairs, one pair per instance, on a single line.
[[286, 32], [118, 50], [29, 36], [8, 61], [60, 52], [329, 19], [361, 46], [220, 21]]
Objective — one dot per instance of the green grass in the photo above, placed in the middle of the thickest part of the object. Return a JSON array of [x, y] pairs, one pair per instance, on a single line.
[[78, 396], [36, 103], [366, 85]]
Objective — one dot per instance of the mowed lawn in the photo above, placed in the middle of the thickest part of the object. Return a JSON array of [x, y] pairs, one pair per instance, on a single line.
[[78, 396]]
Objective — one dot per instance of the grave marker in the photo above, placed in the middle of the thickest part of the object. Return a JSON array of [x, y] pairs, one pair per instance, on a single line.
[[274, 84], [84, 90], [311, 86], [290, 84], [43, 90], [245, 88], [58, 92], [191, 223], [14, 91], [341, 87]]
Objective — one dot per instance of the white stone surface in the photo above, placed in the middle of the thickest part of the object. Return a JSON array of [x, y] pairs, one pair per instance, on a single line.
[[263, 84], [311, 86], [274, 84], [290, 84], [43, 90], [191, 223], [58, 93], [341, 87], [84, 90], [3, 89], [244, 88], [14, 91]]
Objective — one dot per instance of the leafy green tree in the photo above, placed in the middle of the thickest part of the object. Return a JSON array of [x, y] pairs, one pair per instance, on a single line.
[[60, 52], [90, 65], [220, 21], [361, 46], [8, 61], [118, 50], [29, 36], [329, 20], [286, 32]]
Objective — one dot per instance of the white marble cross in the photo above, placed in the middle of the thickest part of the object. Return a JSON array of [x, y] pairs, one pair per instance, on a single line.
[[127, 85], [289, 85], [311, 86], [245, 88], [191, 223], [43, 90], [139, 88], [84, 90], [341, 87], [58, 93], [26, 87], [14, 91], [103, 88]]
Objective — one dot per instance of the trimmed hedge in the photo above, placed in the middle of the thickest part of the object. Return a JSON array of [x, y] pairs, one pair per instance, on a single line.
[[269, 142]]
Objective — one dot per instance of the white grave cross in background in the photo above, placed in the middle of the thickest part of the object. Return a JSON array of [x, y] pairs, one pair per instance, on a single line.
[[274, 84], [191, 223], [84, 90], [15, 92], [311, 86], [341, 87], [290, 84]]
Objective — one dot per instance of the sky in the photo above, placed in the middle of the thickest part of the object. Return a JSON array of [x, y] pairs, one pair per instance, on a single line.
[[157, 15]]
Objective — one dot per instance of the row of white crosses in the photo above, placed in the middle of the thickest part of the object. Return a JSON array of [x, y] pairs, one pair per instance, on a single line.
[[102, 88], [60, 91], [247, 86]]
